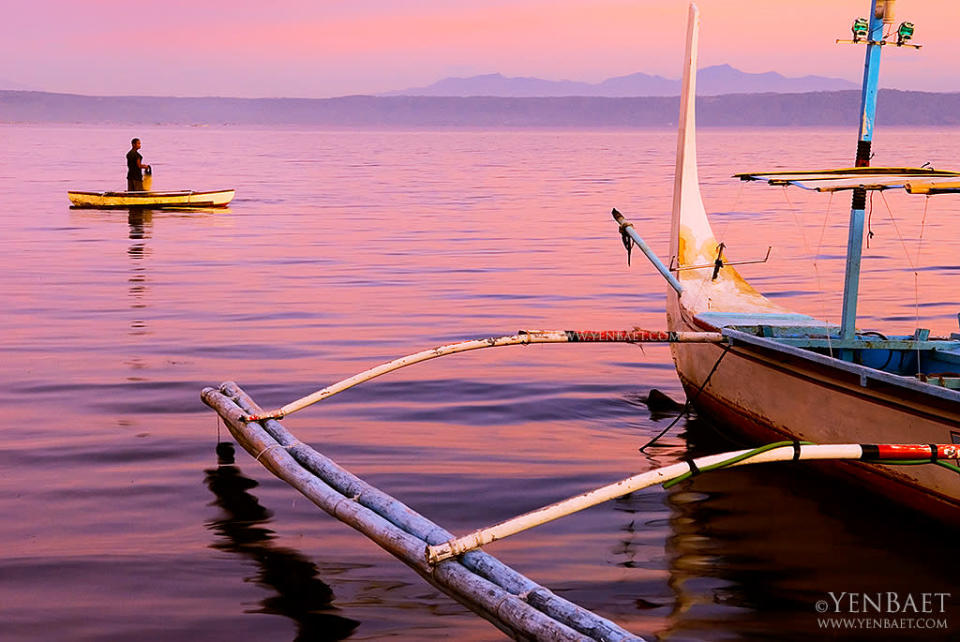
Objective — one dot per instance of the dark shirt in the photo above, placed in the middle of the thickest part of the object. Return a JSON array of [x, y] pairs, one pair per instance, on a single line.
[[133, 165]]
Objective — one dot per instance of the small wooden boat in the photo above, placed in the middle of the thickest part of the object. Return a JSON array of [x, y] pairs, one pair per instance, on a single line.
[[783, 375], [150, 200]]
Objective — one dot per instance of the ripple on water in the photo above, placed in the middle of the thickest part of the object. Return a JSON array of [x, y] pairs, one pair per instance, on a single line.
[[119, 522]]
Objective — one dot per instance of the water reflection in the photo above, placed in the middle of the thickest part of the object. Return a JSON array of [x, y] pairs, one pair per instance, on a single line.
[[346, 296], [141, 227], [140, 222], [753, 549], [297, 591], [139, 258]]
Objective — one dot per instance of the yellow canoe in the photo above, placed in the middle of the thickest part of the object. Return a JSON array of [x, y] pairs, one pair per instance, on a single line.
[[150, 200]]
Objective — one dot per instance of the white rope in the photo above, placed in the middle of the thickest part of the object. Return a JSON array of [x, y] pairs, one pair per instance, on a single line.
[[288, 448], [813, 256], [265, 450], [796, 221], [816, 271], [923, 224], [903, 243], [916, 273]]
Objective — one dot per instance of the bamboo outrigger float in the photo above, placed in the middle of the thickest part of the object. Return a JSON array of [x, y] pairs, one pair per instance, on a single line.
[[779, 362], [515, 604]]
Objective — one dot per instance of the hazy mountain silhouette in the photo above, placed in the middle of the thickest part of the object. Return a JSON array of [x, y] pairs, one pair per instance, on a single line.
[[810, 109], [711, 81]]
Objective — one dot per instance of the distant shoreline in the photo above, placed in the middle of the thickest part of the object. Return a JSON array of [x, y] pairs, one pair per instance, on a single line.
[[813, 109]]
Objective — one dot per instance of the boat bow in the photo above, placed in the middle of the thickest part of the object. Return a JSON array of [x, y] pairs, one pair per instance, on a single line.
[[714, 285]]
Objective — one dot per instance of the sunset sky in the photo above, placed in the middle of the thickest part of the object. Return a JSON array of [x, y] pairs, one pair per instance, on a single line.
[[323, 48]]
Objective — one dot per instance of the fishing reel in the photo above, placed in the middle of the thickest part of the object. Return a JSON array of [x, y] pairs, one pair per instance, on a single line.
[[883, 16]]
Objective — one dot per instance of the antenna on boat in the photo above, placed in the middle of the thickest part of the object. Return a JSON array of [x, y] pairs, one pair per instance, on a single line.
[[870, 33], [718, 263]]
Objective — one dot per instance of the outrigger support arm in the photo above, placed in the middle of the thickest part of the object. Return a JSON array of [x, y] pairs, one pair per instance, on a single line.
[[523, 337], [669, 475]]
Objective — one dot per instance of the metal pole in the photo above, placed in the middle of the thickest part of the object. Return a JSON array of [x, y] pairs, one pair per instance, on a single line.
[[868, 109]]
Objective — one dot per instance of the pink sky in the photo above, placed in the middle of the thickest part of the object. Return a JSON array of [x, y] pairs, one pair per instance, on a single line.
[[321, 48]]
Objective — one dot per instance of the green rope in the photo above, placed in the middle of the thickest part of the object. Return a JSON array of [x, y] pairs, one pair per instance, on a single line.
[[917, 462], [779, 444], [948, 466], [734, 460]]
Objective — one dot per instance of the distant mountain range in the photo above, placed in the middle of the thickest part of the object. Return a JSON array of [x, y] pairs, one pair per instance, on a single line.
[[815, 109], [711, 81]]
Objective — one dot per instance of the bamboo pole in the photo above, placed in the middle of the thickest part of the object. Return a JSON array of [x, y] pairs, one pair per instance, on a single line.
[[478, 538], [512, 602], [523, 337]]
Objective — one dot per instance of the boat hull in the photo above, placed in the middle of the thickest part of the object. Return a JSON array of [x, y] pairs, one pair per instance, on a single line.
[[762, 388], [761, 396], [150, 200]]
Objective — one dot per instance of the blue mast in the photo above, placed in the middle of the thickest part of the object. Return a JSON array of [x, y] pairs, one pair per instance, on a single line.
[[868, 109]]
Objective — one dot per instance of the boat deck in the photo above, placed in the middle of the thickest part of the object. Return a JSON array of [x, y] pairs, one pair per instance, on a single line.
[[914, 358], [783, 322]]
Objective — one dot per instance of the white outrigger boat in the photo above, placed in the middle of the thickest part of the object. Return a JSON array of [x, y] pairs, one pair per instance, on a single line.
[[754, 366], [783, 375], [150, 200]]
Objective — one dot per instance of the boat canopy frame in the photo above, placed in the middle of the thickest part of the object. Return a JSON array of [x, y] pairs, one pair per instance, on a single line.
[[913, 180]]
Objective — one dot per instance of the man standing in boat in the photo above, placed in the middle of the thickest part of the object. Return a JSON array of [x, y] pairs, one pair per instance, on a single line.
[[135, 167]]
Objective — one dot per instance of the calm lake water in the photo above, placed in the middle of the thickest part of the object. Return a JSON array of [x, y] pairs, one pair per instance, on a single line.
[[346, 249]]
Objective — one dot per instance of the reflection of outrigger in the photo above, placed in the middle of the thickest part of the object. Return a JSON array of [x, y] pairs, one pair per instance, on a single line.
[[784, 374], [291, 577]]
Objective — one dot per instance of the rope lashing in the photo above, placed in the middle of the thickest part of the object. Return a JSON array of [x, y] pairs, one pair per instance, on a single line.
[[625, 238], [627, 230], [265, 450]]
